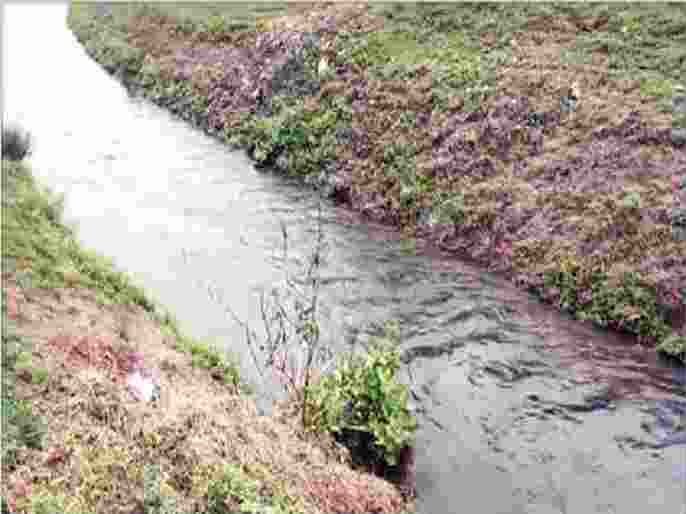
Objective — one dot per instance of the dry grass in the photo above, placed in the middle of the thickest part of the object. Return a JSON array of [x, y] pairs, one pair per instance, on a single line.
[[101, 440]]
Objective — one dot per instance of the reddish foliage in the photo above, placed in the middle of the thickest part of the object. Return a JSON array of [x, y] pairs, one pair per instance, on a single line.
[[98, 352], [339, 496]]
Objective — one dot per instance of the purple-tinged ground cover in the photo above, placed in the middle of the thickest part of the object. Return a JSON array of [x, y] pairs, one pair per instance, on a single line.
[[566, 176]]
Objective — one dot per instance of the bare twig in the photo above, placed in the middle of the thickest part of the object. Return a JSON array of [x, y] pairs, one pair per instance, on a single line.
[[290, 316]]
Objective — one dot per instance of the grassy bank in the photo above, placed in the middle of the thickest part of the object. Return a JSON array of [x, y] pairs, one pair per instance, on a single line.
[[75, 440], [39, 251], [547, 142]]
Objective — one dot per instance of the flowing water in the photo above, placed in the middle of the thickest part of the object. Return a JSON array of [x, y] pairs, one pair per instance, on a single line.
[[520, 409]]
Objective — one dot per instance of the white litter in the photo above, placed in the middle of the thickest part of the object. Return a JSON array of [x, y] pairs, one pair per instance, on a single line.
[[142, 387]]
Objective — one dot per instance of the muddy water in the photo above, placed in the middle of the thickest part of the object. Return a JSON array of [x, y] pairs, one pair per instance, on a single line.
[[521, 410]]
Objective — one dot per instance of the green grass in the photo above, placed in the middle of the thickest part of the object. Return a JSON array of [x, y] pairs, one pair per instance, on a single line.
[[200, 17], [427, 19], [84, 14], [222, 365], [36, 239], [191, 17], [232, 12], [21, 428], [657, 88], [457, 64], [638, 38]]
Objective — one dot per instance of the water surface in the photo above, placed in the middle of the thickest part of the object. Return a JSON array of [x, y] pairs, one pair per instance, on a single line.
[[521, 410]]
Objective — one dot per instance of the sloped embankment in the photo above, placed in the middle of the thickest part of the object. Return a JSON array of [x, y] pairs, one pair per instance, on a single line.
[[545, 142], [76, 439]]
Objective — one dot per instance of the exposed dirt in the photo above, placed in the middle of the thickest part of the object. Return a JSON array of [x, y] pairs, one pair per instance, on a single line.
[[329, 18]]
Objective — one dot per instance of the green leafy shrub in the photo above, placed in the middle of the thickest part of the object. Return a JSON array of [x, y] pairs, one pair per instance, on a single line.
[[305, 138], [21, 428], [407, 119], [364, 395], [233, 492], [150, 74]]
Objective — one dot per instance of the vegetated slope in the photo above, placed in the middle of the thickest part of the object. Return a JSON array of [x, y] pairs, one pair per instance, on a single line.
[[544, 141], [75, 440]]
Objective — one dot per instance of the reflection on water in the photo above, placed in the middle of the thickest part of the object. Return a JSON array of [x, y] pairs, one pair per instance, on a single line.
[[521, 410]]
